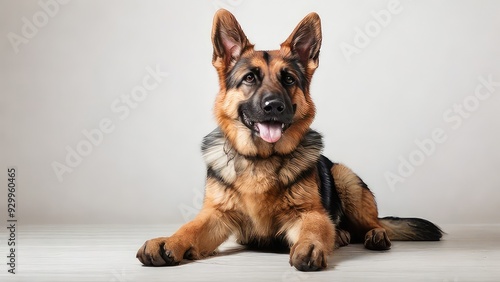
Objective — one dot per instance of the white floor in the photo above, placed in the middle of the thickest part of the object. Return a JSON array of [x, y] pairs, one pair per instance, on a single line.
[[107, 253]]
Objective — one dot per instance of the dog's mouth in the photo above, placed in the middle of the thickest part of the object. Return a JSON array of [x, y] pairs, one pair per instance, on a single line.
[[269, 130]]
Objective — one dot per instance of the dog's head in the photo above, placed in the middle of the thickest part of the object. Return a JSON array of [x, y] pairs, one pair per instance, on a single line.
[[264, 106]]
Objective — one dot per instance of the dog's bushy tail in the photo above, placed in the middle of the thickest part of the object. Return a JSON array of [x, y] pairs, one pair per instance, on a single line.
[[411, 229]]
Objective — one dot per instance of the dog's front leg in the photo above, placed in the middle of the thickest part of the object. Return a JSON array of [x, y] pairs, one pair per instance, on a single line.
[[194, 240], [312, 242]]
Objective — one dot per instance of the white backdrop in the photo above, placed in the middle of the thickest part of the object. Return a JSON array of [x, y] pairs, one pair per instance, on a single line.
[[104, 103]]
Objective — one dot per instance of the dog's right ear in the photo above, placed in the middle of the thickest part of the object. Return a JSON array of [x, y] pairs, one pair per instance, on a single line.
[[228, 39]]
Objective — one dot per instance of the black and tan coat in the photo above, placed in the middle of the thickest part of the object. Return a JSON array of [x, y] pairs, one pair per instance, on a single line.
[[267, 182]]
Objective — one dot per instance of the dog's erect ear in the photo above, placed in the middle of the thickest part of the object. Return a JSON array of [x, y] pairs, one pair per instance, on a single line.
[[305, 41], [228, 39]]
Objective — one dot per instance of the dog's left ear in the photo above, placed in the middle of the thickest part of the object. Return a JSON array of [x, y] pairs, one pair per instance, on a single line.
[[305, 42], [228, 39]]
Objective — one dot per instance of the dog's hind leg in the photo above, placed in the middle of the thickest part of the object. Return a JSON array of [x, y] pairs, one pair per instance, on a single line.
[[360, 209], [343, 238]]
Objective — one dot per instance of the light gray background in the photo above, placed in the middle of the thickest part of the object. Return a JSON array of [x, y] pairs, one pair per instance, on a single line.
[[371, 109]]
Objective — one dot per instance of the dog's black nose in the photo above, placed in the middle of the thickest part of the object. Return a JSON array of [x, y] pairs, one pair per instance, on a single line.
[[273, 105]]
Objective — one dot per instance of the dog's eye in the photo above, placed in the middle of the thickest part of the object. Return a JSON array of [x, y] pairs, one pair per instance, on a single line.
[[249, 78], [288, 79]]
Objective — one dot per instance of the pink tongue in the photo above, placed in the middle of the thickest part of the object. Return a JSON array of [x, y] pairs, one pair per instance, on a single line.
[[270, 132]]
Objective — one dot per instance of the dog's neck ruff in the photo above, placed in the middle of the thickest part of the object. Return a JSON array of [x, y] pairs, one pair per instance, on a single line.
[[224, 163]]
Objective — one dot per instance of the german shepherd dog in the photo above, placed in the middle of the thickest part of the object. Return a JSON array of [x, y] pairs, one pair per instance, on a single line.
[[267, 182]]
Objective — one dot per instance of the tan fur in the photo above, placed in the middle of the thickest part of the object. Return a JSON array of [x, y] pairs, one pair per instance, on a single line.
[[359, 207], [357, 202]]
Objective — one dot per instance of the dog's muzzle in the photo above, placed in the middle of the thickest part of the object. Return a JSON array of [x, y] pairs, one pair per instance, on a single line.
[[269, 117]]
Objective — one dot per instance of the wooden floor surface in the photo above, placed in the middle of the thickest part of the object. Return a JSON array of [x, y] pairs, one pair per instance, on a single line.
[[107, 253]]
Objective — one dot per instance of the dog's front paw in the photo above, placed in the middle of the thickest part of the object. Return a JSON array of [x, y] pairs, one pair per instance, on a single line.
[[160, 252], [308, 256]]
